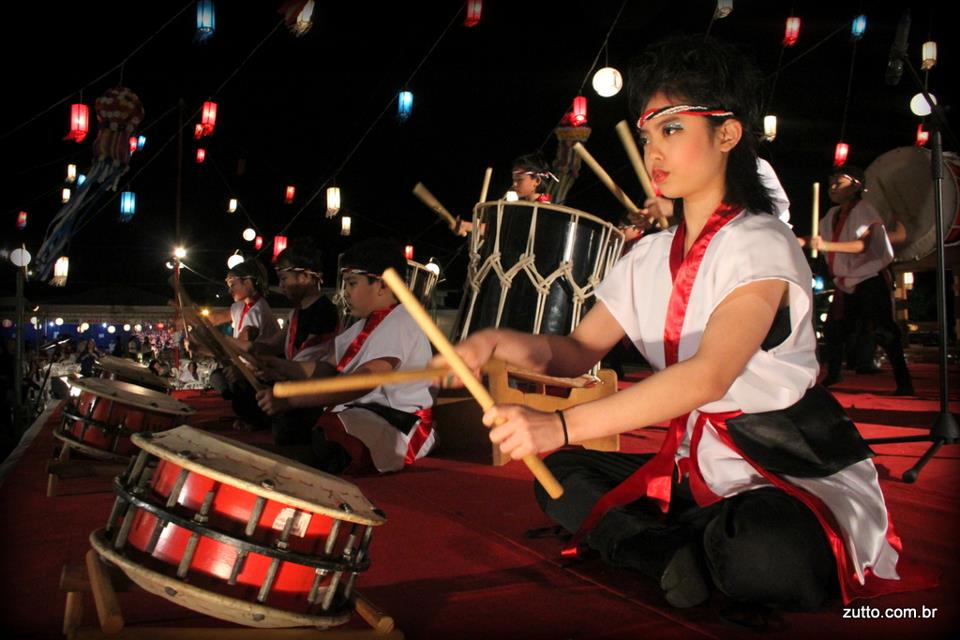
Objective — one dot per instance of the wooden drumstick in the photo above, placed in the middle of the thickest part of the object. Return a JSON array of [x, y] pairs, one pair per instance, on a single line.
[[474, 386], [354, 382], [428, 199], [372, 614], [630, 145], [486, 184], [605, 178], [815, 225]]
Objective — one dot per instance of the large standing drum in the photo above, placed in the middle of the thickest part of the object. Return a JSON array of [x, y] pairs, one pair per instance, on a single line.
[[113, 368], [534, 267], [238, 533], [420, 280], [100, 421], [899, 185]]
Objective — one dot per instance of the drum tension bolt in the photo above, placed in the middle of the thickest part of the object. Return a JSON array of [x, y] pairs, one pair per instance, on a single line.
[[267, 484]]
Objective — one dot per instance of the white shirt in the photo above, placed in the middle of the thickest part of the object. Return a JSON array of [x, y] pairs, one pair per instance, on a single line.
[[850, 269], [260, 316], [769, 179]]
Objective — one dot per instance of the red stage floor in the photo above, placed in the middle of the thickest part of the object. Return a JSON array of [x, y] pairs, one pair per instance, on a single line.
[[453, 562]]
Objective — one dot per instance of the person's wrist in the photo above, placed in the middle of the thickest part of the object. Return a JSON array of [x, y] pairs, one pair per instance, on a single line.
[[563, 426]]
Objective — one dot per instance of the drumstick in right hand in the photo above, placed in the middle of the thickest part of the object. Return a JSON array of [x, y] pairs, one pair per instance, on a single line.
[[486, 184], [428, 199], [630, 145], [605, 178]]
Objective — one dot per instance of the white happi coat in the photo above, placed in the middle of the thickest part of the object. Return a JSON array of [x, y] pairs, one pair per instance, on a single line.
[[749, 248]]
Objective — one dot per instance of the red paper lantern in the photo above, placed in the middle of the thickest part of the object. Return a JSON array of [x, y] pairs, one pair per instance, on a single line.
[[279, 244], [408, 252], [474, 9], [133, 144], [208, 118], [291, 190], [201, 155], [578, 116], [922, 136], [258, 243], [840, 154], [792, 32], [22, 220], [79, 122], [197, 131]]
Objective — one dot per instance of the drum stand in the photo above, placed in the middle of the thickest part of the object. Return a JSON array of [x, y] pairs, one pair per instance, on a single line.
[[103, 581], [944, 428], [61, 466]]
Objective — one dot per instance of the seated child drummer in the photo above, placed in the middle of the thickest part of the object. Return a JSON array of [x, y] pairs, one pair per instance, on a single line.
[[373, 430]]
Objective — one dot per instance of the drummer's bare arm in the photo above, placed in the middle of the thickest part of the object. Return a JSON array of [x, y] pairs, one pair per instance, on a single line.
[[219, 316], [733, 335], [896, 232], [850, 246]]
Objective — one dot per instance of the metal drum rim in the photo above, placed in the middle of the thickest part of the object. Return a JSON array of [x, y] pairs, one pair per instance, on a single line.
[[89, 385], [551, 207]]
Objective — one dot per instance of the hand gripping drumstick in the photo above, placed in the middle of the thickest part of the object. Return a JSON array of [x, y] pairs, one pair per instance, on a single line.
[[354, 382], [605, 178], [476, 388], [630, 145], [428, 199]]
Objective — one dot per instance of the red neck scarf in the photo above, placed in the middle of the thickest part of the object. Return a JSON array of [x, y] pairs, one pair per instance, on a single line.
[[371, 323], [246, 307], [838, 223]]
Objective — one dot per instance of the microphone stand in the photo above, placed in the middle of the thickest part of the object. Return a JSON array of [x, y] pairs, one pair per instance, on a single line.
[[944, 428]]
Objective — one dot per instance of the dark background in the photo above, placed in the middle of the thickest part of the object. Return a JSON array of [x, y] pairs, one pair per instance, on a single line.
[[294, 108]]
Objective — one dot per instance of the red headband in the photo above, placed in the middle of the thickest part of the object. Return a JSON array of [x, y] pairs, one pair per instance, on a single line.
[[681, 110]]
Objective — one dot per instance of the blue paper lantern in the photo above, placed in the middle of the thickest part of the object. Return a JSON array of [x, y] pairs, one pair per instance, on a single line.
[[818, 283], [128, 205], [206, 20], [858, 27], [141, 140], [404, 105]]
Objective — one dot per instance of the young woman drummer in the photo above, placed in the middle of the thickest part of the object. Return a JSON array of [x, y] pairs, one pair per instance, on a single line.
[[762, 486]]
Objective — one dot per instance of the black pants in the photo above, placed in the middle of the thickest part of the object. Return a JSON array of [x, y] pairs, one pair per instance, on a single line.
[[760, 547], [868, 310]]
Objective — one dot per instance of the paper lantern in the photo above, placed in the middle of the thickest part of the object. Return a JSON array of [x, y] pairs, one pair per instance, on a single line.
[[180, 252], [133, 144], [232, 205], [922, 136], [432, 267], [578, 114], [404, 105], [929, 55], [792, 32], [345, 226], [249, 234], [71, 173], [408, 252], [20, 257], [208, 117], [65, 194], [258, 243], [291, 191], [724, 7], [61, 269], [22, 220], [840, 154], [474, 9], [769, 127], [201, 155], [607, 82], [234, 260], [511, 196], [858, 27], [197, 131], [128, 205], [141, 141], [333, 201], [79, 122], [81, 178], [919, 105], [206, 20], [279, 244]]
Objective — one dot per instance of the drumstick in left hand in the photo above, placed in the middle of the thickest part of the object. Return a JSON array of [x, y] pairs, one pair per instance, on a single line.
[[630, 145], [354, 382], [605, 178], [540, 471]]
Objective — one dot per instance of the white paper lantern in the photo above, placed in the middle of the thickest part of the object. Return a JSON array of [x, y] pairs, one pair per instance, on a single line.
[[769, 127], [249, 234], [234, 260], [20, 257], [607, 82]]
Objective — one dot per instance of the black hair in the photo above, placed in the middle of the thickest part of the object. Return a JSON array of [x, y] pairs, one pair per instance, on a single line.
[[854, 172], [253, 269], [375, 255], [533, 162], [707, 72], [302, 253]]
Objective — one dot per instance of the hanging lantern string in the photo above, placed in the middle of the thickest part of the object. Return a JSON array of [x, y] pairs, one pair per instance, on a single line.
[[230, 190], [593, 66], [100, 77], [313, 196], [844, 27], [846, 101]]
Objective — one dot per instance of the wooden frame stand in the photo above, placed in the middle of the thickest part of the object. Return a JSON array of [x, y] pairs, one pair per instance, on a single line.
[[457, 415], [63, 466], [103, 581]]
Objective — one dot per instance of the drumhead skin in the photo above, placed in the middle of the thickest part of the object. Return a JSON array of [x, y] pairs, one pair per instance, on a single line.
[[132, 372], [899, 186], [261, 473], [133, 395]]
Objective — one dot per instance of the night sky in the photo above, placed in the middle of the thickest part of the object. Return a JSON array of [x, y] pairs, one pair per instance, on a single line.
[[292, 110]]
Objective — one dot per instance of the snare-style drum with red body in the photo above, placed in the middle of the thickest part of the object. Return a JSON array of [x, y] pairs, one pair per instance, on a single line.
[[238, 533], [900, 187], [101, 419]]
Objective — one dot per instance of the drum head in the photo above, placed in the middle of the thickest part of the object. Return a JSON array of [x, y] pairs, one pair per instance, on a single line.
[[261, 473], [899, 186], [129, 370], [133, 395]]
